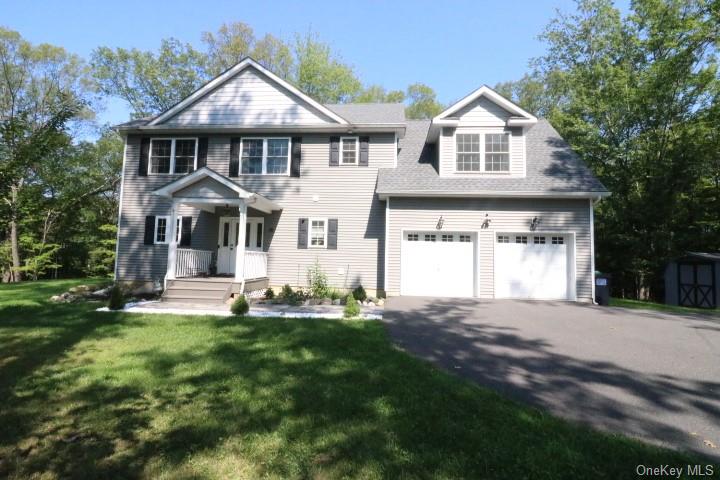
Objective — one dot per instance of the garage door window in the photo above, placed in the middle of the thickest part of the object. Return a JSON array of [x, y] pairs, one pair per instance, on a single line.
[[558, 240], [413, 237], [430, 237], [447, 238], [503, 239], [464, 238], [539, 240], [520, 239]]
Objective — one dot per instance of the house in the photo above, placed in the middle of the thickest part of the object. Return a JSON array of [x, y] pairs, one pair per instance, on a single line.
[[248, 182], [693, 280]]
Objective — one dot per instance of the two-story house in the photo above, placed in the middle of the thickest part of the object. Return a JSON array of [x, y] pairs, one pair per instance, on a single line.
[[248, 182]]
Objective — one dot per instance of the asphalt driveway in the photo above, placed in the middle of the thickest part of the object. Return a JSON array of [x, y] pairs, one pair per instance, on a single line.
[[647, 374]]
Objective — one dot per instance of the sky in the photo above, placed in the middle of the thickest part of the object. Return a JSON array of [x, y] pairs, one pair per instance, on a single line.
[[454, 46]]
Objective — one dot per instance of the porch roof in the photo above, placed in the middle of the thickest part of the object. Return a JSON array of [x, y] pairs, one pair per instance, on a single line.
[[216, 189]]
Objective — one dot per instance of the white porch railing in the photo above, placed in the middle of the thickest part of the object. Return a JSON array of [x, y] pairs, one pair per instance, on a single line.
[[255, 264], [192, 263]]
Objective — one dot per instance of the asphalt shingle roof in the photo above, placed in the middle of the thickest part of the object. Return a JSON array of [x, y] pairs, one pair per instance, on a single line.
[[552, 167], [370, 112]]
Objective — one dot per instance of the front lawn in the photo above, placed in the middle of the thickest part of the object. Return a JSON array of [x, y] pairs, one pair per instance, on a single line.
[[660, 307], [111, 395]]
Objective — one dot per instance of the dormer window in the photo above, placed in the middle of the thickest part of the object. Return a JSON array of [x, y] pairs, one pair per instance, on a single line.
[[494, 150]]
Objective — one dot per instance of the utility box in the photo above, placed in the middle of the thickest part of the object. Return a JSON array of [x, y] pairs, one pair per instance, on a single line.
[[602, 289]]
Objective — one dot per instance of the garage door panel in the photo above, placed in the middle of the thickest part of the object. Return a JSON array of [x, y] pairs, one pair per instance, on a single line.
[[437, 268]]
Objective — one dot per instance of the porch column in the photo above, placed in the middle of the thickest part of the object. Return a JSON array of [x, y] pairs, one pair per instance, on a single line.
[[172, 245], [240, 247]]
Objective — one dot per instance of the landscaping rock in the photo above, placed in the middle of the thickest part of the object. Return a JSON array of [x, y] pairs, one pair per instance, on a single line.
[[359, 302], [79, 289], [103, 293], [326, 301], [312, 301], [380, 302], [307, 302], [336, 302], [56, 298], [370, 304]]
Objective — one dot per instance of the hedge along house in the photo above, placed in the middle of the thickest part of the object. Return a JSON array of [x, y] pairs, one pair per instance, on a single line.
[[693, 280], [248, 182]]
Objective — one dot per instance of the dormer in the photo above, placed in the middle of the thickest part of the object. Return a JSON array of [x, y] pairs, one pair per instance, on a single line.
[[481, 135]]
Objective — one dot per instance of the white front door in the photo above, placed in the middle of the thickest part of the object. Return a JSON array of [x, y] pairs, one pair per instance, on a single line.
[[438, 264], [227, 243], [254, 234]]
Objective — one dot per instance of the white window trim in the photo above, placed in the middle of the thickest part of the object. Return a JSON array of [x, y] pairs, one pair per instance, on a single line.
[[357, 150], [172, 155], [325, 234], [167, 229], [482, 133], [265, 155]]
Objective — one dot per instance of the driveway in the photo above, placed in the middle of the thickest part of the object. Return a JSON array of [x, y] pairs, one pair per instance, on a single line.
[[646, 374]]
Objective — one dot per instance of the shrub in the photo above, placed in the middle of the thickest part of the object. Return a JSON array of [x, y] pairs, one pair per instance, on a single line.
[[286, 292], [318, 281], [352, 309], [240, 306], [334, 294], [117, 298], [359, 293], [270, 293]]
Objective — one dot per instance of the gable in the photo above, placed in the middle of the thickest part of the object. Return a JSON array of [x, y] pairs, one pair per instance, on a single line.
[[484, 112], [206, 188], [249, 98]]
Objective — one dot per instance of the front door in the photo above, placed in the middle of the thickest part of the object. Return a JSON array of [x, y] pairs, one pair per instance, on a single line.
[[227, 243]]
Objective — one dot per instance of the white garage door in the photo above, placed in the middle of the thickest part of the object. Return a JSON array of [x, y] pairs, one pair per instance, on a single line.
[[438, 264], [532, 266]]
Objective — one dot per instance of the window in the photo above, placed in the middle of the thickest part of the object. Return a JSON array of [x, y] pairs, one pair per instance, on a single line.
[[465, 238], [468, 152], [176, 155], [497, 152], [503, 239], [265, 156], [413, 237], [520, 239], [446, 238], [161, 229], [558, 240], [178, 229], [349, 150], [318, 232], [430, 237], [539, 240]]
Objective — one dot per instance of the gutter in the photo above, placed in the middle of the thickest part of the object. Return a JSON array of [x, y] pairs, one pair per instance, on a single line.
[[490, 194]]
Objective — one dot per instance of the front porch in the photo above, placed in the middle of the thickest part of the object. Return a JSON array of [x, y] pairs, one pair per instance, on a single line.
[[229, 240]]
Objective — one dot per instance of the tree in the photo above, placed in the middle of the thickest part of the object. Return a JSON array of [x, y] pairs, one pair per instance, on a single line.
[[422, 102], [378, 94]]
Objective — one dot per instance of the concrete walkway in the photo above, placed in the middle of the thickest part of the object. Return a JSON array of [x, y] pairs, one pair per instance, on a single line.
[[652, 375]]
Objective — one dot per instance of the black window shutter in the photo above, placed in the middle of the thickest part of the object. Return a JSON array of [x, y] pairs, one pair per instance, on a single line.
[[150, 230], [334, 151], [144, 154], [364, 151], [296, 154], [234, 156], [186, 231], [332, 234], [202, 152], [302, 233]]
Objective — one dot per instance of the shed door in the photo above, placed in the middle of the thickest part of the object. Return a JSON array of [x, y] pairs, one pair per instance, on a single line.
[[697, 285]]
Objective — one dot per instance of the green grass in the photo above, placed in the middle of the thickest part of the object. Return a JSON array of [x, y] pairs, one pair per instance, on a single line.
[[86, 394], [661, 307]]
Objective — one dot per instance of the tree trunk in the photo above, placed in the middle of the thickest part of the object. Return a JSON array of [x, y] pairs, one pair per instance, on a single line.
[[16, 274]]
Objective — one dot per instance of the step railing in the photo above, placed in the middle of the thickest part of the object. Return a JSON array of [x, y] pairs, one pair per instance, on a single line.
[[192, 263], [255, 264]]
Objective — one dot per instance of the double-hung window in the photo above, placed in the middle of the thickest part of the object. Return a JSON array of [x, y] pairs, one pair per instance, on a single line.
[[349, 150], [489, 152], [265, 156], [162, 229], [318, 232], [172, 155]]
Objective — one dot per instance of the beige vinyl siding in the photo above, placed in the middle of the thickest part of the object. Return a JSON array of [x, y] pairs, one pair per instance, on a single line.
[[448, 148], [344, 192], [206, 188], [505, 215], [249, 99], [484, 113]]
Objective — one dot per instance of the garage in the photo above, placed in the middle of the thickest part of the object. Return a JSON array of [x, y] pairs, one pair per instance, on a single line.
[[438, 264], [534, 266]]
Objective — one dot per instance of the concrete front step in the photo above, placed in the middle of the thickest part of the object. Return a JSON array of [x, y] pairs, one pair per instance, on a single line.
[[198, 290]]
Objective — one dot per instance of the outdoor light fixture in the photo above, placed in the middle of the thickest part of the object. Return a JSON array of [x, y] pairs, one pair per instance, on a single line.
[[439, 224], [534, 224], [486, 222]]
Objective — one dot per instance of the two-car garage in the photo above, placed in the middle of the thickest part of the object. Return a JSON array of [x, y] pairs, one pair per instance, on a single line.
[[523, 265]]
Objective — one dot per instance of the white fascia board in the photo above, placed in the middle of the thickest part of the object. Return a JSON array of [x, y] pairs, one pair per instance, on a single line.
[[491, 95], [230, 73], [172, 187], [488, 194], [398, 128]]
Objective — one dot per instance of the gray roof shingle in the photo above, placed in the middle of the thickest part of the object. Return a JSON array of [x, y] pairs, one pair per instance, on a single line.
[[552, 167], [370, 112]]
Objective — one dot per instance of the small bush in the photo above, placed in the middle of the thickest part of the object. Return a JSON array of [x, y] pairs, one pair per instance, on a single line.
[[117, 298], [352, 309], [286, 292], [359, 293], [270, 293], [240, 306], [334, 294], [318, 281]]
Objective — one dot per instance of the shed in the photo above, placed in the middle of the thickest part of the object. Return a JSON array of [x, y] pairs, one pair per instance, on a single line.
[[693, 280]]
